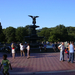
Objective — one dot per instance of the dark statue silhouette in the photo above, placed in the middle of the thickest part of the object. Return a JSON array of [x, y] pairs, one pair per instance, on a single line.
[[34, 19], [33, 36]]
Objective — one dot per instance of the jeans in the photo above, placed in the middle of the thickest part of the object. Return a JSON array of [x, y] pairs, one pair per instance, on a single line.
[[71, 58], [61, 55], [68, 54]]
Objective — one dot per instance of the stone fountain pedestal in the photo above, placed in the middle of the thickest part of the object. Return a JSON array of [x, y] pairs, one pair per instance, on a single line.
[[33, 36]]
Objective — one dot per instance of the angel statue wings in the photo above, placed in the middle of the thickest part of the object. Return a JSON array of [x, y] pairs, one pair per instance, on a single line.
[[34, 19]]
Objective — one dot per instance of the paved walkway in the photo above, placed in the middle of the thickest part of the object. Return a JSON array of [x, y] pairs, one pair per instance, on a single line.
[[40, 63]]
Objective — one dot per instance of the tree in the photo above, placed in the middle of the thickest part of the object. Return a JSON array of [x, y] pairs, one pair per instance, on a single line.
[[10, 34], [62, 31], [60, 26], [21, 32], [71, 33], [0, 28], [59, 33], [45, 32], [54, 36], [2, 37], [28, 29]]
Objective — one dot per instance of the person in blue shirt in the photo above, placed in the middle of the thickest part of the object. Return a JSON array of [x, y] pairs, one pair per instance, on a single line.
[[53, 46], [71, 51], [45, 47]]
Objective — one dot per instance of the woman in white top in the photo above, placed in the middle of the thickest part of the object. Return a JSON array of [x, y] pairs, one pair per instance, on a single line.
[[22, 49], [28, 50]]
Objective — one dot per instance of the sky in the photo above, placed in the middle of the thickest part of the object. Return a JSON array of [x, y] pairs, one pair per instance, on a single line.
[[51, 13]]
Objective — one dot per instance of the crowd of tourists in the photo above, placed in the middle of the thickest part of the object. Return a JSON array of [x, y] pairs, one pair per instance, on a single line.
[[55, 46], [69, 50], [22, 48], [65, 47]]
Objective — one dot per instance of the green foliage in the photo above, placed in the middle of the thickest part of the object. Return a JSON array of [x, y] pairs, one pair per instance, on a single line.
[[2, 36], [44, 32], [54, 36], [21, 32], [58, 33], [0, 28], [28, 29], [9, 34]]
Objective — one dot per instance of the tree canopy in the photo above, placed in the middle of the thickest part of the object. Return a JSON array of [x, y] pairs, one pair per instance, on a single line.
[[58, 33]]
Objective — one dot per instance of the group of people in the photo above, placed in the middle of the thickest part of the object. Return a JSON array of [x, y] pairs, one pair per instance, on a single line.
[[41, 47], [69, 50], [6, 63], [22, 49], [55, 46]]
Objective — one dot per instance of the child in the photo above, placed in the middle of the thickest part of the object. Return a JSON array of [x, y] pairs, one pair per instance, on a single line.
[[5, 62]]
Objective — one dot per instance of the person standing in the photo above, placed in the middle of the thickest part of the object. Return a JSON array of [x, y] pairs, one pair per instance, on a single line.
[[56, 47], [25, 50], [53, 46], [13, 50], [68, 50], [61, 48], [28, 51], [22, 49], [40, 47], [5, 63], [71, 51], [45, 47], [18, 49]]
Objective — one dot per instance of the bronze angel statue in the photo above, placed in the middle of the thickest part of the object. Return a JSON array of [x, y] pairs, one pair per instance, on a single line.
[[34, 18]]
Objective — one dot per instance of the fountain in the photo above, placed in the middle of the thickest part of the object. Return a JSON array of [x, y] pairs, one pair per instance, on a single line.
[[33, 36]]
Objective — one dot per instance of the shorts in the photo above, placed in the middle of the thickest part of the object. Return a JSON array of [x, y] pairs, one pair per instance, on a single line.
[[13, 50], [5, 71]]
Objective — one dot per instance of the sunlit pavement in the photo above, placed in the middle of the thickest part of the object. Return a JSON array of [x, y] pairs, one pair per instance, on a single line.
[[40, 64]]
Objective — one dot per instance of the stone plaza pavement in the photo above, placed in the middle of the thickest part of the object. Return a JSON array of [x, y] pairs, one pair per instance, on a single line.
[[40, 64]]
